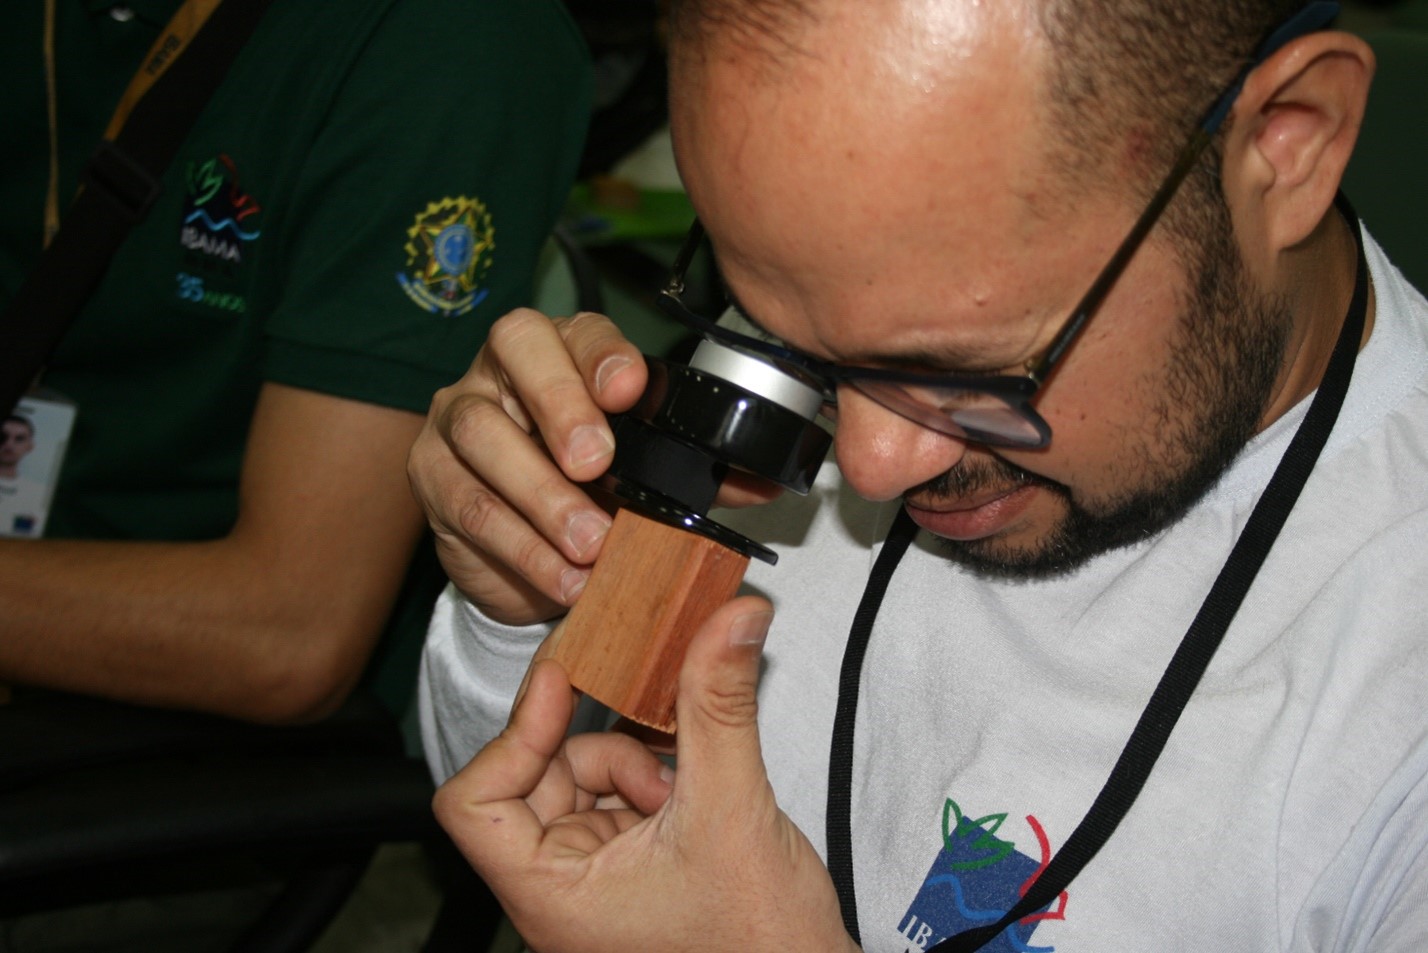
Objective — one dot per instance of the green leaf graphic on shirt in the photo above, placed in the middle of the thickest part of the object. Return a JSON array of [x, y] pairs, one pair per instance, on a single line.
[[985, 848], [204, 181]]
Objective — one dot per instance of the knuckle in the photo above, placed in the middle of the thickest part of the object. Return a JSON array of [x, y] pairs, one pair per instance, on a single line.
[[514, 329], [531, 556], [478, 512], [470, 420], [447, 804], [484, 520], [417, 463], [729, 706], [551, 494], [568, 394], [580, 321], [589, 335], [445, 398], [442, 398]]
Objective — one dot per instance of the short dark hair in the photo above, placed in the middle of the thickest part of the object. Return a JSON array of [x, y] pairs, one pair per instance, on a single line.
[[17, 419], [1128, 80]]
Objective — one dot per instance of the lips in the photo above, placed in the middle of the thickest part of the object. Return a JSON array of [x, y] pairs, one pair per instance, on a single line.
[[978, 517]]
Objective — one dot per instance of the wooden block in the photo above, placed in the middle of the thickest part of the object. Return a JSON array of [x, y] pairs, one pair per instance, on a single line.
[[651, 588]]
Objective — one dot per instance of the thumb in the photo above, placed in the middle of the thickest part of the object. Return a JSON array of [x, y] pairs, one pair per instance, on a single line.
[[717, 706]]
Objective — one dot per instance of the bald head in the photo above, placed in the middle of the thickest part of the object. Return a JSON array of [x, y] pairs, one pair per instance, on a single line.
[[1123, 81], [876, 111], [897, 133]]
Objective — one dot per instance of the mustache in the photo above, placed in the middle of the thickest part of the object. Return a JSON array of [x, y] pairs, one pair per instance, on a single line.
[[970, 477]]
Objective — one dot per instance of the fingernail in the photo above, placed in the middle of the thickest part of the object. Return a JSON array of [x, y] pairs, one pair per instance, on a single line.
[[666, 774], [750, 629], [609, 368], [584, 530], [572, 582], [588, 444]]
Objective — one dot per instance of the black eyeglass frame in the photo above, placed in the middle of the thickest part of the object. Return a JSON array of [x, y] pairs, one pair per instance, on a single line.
[[1014, 391]]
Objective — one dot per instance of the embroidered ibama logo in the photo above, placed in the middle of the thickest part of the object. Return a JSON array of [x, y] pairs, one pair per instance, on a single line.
[[219, 217]]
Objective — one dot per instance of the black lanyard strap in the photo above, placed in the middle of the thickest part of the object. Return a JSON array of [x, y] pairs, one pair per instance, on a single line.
[[1176, 686], [840, 763]]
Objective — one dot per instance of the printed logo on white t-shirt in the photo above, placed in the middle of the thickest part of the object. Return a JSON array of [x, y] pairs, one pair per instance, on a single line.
[[984, 867]]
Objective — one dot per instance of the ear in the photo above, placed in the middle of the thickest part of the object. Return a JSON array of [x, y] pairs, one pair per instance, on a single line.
[[1294, 127]]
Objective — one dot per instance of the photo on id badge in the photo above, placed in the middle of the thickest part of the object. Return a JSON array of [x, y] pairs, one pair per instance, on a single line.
[[35, 435]]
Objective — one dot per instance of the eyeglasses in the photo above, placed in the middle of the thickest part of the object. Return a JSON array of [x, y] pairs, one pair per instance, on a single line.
[[995, 410]]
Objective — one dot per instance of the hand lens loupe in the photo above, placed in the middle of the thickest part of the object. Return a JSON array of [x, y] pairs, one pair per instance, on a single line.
[[665, 566], [724, 410]]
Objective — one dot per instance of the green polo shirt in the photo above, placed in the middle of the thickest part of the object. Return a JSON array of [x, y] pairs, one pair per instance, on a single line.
[[367, 191]]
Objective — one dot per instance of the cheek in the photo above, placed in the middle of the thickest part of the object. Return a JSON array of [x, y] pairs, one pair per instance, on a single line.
[[1104, 426], [1106, 403]]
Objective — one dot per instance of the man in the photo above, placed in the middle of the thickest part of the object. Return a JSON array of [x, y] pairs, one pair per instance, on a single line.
[[22, 499], [931, 186], [368, 189], [16, 441]]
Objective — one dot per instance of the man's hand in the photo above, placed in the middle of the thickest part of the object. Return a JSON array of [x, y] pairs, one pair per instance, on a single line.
[[496, 463], [592, 844]]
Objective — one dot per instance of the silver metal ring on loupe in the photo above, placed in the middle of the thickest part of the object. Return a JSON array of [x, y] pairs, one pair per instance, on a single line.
[[757, 376]]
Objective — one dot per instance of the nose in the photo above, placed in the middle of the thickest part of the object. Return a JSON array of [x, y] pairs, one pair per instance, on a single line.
[[883, 454]]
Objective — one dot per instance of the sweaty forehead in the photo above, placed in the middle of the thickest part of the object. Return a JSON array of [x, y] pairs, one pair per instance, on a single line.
[[891, 143]]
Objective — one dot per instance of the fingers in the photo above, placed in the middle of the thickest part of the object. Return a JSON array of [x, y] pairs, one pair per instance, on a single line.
[[567, 375], [613, 368], [493, 586], [512, 504], [483, 807], [529, 385], [487, 548], [496, 466], [500, 808], [543, 385], [615, 764], [717, 707], [597, 765]]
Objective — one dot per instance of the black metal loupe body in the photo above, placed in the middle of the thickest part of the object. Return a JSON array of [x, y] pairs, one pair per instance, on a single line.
[[676, 445]]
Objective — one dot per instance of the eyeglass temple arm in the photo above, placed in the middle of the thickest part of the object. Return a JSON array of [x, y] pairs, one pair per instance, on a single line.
[[1093, 297], [1314, 16], [687, 251]]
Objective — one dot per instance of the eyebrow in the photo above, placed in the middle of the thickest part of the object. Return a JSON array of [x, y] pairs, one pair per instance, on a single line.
[[948, 360]]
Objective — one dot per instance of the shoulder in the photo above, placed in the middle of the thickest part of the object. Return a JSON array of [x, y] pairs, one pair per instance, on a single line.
[[431, 40], [474, 36]]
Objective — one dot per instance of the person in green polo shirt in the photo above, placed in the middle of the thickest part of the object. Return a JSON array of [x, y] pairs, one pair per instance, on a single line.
[[368, 189]]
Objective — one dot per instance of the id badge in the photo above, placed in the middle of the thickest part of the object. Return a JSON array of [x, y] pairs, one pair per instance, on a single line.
[[35, 437]]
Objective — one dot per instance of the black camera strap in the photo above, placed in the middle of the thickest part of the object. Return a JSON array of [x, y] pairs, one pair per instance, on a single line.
[[122, 179], [1171, 695]]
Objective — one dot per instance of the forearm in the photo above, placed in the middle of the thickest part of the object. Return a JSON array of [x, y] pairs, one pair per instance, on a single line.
[[273, 622], [210, 626]]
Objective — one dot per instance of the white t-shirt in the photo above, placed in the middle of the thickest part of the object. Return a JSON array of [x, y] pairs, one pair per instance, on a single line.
[[1289, 810]]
